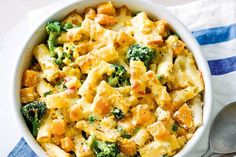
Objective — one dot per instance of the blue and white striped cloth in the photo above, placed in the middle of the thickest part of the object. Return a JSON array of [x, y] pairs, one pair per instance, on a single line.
[[213, 23]]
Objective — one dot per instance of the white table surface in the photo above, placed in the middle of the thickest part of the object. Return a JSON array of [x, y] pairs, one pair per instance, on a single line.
[[13, 14]]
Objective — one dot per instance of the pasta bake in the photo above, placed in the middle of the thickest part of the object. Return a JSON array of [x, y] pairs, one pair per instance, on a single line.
[[112, 82]]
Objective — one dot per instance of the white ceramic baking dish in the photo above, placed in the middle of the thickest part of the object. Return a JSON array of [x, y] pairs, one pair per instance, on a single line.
[[153, 9]]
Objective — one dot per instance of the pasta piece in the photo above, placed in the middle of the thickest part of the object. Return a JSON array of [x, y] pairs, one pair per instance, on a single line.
[[72, 35], [110, 135], [141, 137], [97, 33], [162, 27], [158, 131], [94, 58], [100, 105], [88, 62], [173, 144], [186, 74], [107, 53], [125, 91], [79, 110], [87, 90], [179, 97], [123, 42], [43, 88], [162, 114], [67, 144], [194, 76], [49, 68], [142, 115], [179, 78], [148, 99], [145, 31], [154, 149], [27, 94], [176, 44], [106, 8], [165, 64], [58, 100], [138, 84], [123, 20], [126, 125], [58, 127], [127, 147], [161, 95], [44, 132], [82, 147], [196, 107], [108, 122], [30, 78], [184, 116], [73, 18], [105, 20], [54, 151], [83, 47], [72, 82], [90, 13], [113, 97]]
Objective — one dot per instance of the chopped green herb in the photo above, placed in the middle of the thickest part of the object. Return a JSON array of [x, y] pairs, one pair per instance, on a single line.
[[91, 119], [47, 93], [165, 155], [126, 135], [118, 113], [135, 13], [175, 127], [123, 133], [160, 77], [64, 87]]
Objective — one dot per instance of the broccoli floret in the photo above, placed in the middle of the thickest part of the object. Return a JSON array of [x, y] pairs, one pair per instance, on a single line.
[[68, 25], [142, 53], [33, 113], [104, 149], [117, 113], [119, 77], [53, 29]]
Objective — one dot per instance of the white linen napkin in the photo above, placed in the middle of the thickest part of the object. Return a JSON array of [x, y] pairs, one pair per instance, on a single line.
[[213, 23]]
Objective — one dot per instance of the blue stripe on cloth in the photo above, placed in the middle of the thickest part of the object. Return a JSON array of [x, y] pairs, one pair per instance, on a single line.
[[22, 149], [222, 66], [215, 35]]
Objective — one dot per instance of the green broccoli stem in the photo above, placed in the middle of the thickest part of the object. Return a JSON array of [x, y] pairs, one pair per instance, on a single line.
[[35, 127], [51, 43]]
